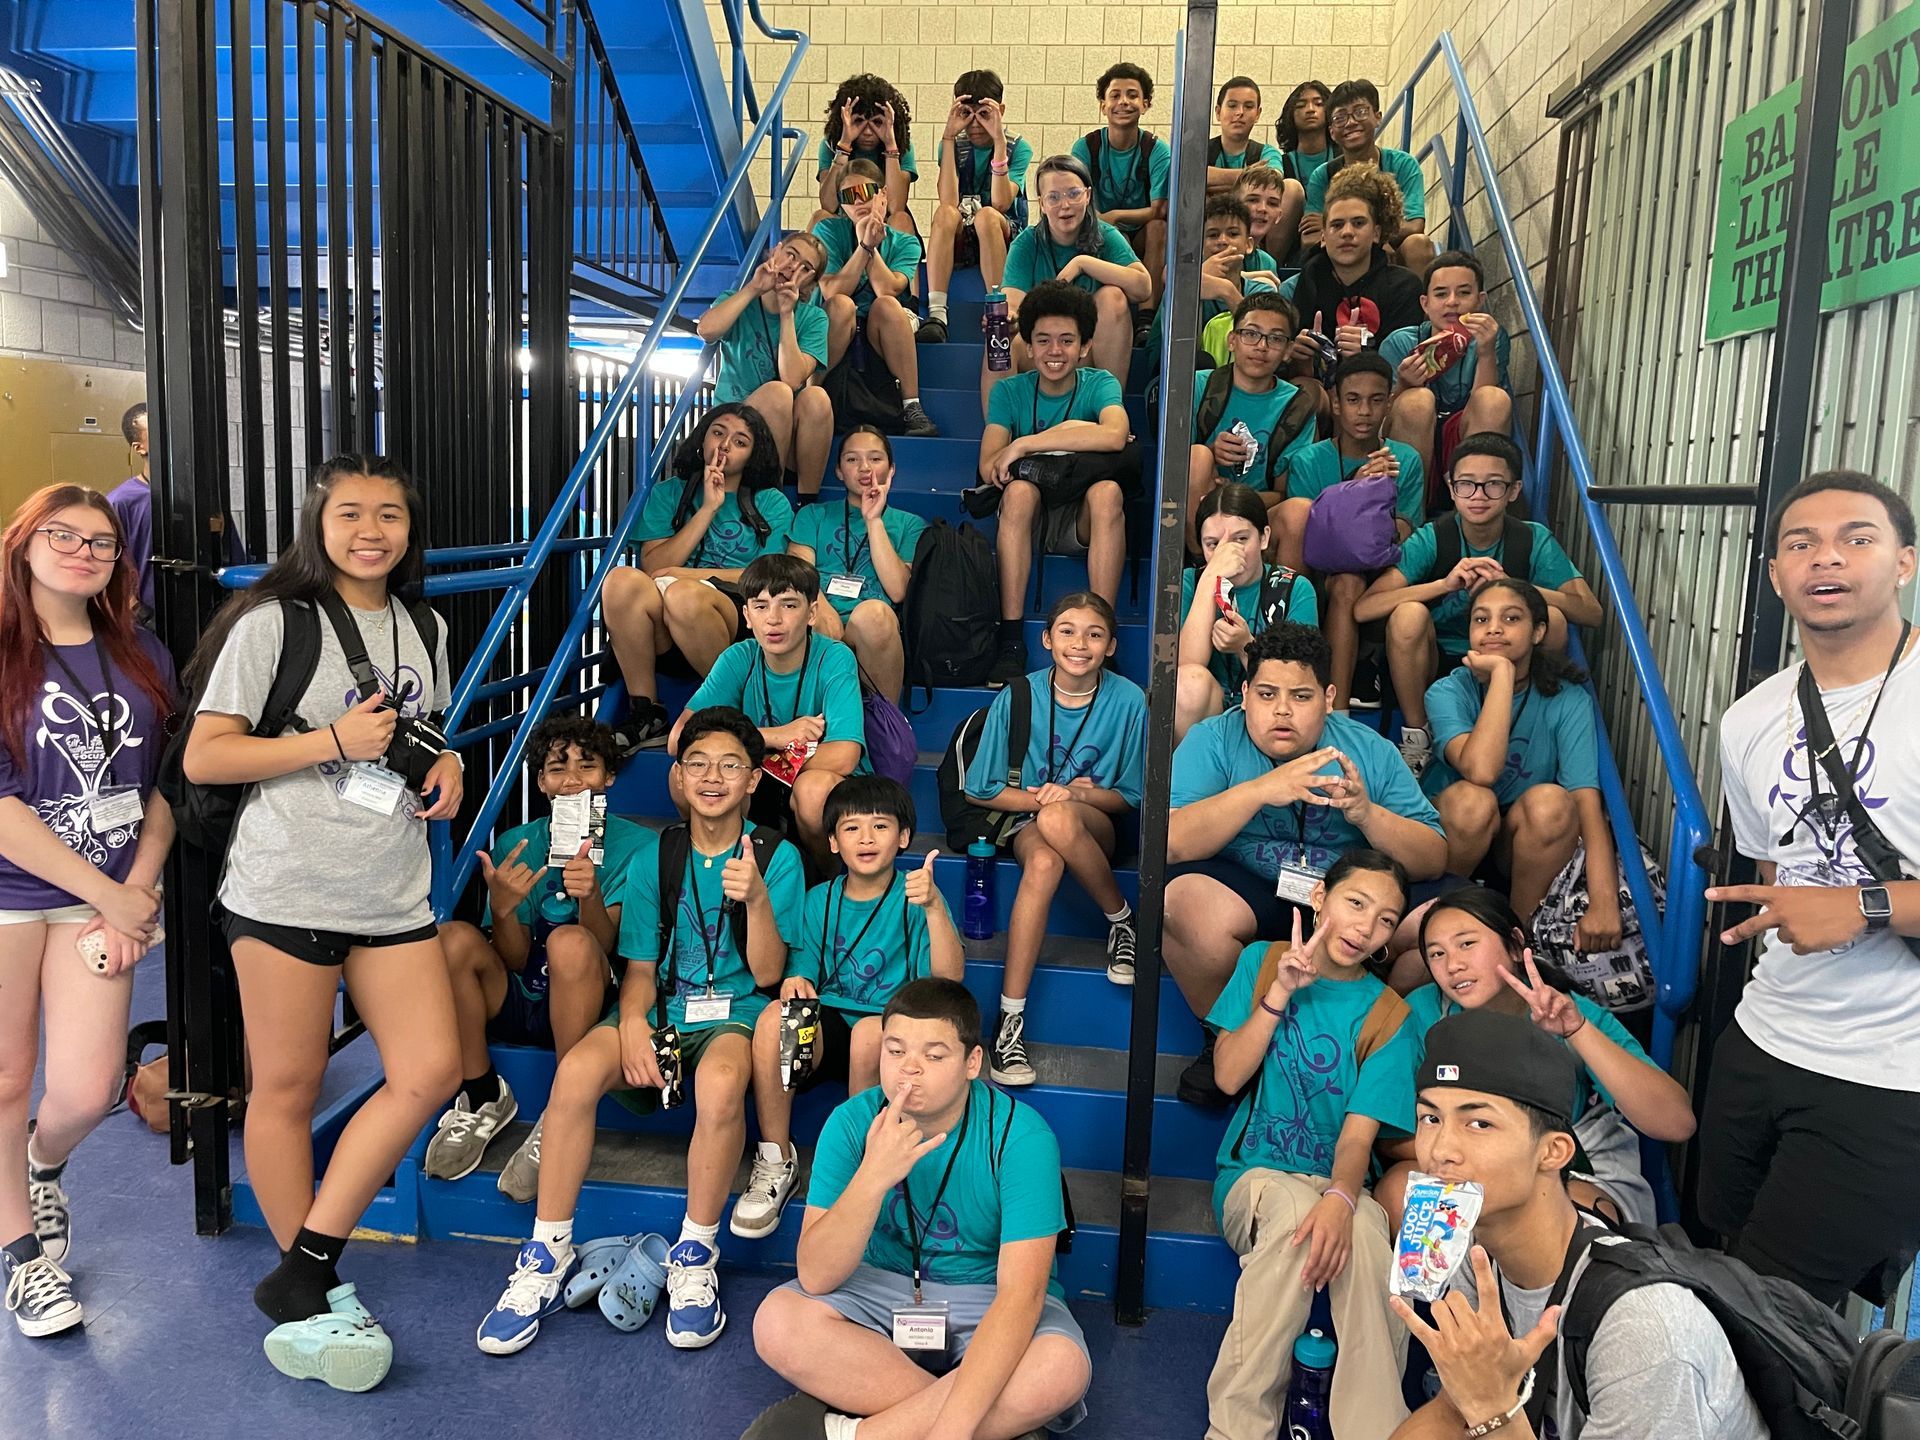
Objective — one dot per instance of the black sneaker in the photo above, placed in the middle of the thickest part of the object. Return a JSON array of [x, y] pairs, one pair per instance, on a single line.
[[645, 728], [920, 425], [1009, 665], [931, 332], [1197, 1085], [1364, 694], [1008, 1063], [1142, 333]]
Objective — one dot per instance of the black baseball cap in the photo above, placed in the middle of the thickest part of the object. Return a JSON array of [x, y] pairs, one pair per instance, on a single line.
[[1504, 1055]]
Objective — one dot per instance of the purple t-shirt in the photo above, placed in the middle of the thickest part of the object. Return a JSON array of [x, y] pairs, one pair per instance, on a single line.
[[67, 762], [132, 501]]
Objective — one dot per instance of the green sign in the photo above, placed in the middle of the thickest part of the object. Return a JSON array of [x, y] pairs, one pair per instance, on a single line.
[[1873, 243]]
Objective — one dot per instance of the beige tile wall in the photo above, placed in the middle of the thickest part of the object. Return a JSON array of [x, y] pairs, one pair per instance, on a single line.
[[1049, 54]]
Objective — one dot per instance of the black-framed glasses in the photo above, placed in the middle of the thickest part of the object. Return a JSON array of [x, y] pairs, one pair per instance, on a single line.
[[1360, 114], [1492, 489], [71, 542], [1263, 339]]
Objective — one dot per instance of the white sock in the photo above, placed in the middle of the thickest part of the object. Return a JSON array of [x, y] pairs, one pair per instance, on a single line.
[[556, 1235], [841, 1427], [773, 1154], [1123, 913], [937, 305], [707, 1235], [1011, 1006]]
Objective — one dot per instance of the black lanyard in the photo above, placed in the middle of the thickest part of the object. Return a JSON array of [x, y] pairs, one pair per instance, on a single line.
[[103, 711], [848, 554], [1860, 741], [710, 944], [1053, 710], [830, 947], [1066, 414], [1139, 153], [800, 680], [933, 1211], [1526, 699]]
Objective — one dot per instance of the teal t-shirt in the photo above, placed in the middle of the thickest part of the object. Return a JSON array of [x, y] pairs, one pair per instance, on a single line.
[[730, 542], [899, 252], [1321, 464], [1429, 1006], [1104, 741], [1552, 740], [837, 535], [750, 351], [624, 844], [973, 169], [857, 953], [1035, 256], [1258, 259], [873, 157], [1124, 179], [1550, 565], [1261, 412], [1218, 754], [1302, 609], [1256, 153], [1452, 387], [1005, 1187], [703, 945], [1404, 169], [826, 682], [1309, 1080], [1018, 403], [1305, 165]]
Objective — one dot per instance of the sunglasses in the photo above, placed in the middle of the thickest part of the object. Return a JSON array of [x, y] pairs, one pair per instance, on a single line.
[[858, 192]]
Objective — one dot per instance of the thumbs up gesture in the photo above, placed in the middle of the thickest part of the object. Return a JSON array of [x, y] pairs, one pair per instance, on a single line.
[[366, 730], [740, 879], [921, 890]]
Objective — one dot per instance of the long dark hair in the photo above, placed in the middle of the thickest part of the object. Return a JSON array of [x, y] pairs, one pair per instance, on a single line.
[[1241, 501], [762, 472], [1086, 240], [1283, 129], [303, 571], [1550, 669], [1496, 912]]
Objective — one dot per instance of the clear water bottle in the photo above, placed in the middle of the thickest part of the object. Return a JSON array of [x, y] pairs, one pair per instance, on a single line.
[[999, 332], [1310, 1396], [976, 921]]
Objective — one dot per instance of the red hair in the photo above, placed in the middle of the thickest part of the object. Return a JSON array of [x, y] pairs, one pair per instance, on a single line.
[[22, 664]]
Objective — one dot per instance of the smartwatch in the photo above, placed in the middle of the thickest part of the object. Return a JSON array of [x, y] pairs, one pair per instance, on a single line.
[[1876, 907]]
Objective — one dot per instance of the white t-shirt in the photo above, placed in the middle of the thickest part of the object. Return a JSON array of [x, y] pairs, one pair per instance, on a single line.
[[1851, 1013]]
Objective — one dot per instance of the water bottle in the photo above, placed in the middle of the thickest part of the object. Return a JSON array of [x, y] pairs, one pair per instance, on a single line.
[[999, 332], [977, 917], [1309, 1397]]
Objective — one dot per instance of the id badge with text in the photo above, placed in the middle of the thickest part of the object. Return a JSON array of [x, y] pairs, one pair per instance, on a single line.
[[373, 787], [1297, 883], [709, 1008], [114, 808], [846, 587], [921, 1327]]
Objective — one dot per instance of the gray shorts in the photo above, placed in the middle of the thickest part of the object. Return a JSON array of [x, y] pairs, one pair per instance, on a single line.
[[870, 1295]]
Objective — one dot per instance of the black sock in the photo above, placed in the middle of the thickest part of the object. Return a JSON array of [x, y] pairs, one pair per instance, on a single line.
[[297, 1289], [483, 1089], [44, 1174]]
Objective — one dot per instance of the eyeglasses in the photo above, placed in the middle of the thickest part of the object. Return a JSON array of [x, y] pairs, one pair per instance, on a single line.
[[67, 542], [1063, 197], [1262, 339], [858, 192], [1359, 113], [1492, 489], [701, 766]]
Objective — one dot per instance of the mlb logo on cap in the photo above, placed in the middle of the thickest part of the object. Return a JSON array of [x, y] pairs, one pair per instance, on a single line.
[[1446, 1072]]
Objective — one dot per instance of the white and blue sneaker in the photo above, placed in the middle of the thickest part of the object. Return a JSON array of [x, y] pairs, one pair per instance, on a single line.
[[39, 1294], [534, 1292], [694, 1316]]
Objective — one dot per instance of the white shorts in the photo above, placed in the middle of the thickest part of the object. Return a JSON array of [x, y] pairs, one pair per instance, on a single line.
[[56, 915]]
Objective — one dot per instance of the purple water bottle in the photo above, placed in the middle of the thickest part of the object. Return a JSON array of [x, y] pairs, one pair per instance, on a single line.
[[999, 332], [976, 921], [1309, 1397]]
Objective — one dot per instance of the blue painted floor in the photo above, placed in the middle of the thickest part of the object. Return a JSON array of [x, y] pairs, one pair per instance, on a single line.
[[172, 1342]]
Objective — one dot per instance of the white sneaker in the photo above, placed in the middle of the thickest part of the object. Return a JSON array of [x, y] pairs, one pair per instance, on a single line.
[[460, 1141], [1416, 748], [757, 1211], [1009, 1064], [521, 1178]]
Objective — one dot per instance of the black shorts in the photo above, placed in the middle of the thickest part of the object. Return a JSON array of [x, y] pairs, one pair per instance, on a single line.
[[316, 947], [832, 1051], [675, 665], [1272, 915], [525, 1016]]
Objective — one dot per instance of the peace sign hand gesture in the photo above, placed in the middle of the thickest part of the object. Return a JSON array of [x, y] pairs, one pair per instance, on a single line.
[[1480, 1362], [1298, 967], [1552, 1010]]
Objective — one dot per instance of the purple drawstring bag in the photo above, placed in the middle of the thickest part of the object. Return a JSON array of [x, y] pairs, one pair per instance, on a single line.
[[1350, 527]]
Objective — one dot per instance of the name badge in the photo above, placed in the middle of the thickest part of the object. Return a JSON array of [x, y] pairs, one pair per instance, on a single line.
[[114, 808], [709, 1008], [373, 787], [1297, 883], [921, 1327], [846, 587]]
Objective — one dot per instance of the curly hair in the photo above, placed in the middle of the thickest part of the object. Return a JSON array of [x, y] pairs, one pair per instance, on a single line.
[[1379, 192], [558, 733], [870, 95]]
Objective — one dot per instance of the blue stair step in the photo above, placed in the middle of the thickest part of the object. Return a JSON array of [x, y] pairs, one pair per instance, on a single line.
[[1073, 1001]]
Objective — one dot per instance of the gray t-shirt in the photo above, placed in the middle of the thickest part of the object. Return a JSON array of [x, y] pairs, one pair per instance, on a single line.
[[301, 854]]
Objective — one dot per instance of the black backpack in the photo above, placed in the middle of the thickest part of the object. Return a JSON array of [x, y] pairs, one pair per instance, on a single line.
[[1095, 141], [950, 622], [967, 822], [1516, 546], [1883, 1393], [1794, 1353], [204, 815], [1213, 405], [676, 845]]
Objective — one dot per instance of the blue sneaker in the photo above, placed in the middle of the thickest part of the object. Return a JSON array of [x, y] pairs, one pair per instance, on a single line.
[[531, 1295], [694, 1316], [345, 1348]]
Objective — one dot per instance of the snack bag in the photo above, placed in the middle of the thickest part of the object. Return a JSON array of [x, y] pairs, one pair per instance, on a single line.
[[1239, 427], [1441, 351], [799, 1025], [784, 765], [1223, 595], [666, 1050], [1435, 1235]]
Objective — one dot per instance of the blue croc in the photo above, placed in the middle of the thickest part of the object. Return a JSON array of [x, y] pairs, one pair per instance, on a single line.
[[345, 1348], [631, 1292], [598, 1260]]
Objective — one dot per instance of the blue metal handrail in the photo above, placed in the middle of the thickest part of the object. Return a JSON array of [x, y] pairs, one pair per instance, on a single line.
[[1674, 940], [454, 866]]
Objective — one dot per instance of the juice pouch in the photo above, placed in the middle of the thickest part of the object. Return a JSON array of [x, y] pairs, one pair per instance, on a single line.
[[1435, 1235]]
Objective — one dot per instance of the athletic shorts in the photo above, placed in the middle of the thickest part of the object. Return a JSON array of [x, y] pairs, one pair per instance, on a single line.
[[525, 1017], [316, 947], [693, 1049], [52, 915], [870, 1295], [1272, 916]]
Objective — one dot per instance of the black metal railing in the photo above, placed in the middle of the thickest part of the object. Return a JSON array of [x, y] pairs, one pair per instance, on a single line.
[[620, 236]]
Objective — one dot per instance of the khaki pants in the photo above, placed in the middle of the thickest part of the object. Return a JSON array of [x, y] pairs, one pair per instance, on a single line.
[[1247, 1395]]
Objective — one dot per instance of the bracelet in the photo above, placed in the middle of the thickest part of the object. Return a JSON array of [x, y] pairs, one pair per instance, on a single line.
[[845, 151], [336, 742], [1277, 1014], [1498, 1422], [999, 169], [1336, 1190], [893, 154]]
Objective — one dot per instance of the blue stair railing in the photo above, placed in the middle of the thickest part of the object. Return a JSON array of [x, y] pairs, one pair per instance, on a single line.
[[453, 866], [1673, 938]]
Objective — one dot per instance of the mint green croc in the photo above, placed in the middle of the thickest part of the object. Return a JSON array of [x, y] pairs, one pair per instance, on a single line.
[[345, 1348]]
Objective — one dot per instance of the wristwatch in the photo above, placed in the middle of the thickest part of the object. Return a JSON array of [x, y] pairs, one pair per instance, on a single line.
[[1876, 907]]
